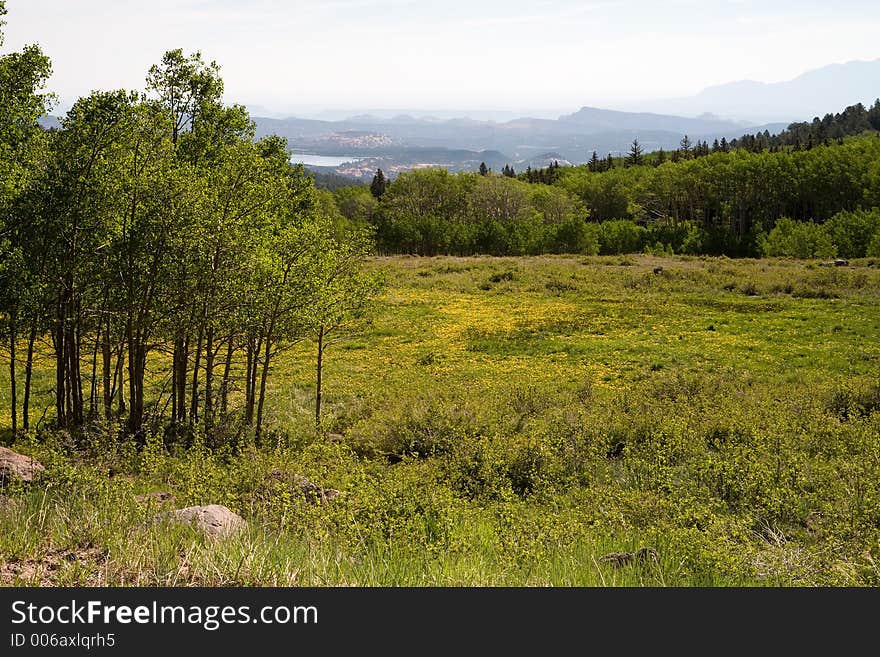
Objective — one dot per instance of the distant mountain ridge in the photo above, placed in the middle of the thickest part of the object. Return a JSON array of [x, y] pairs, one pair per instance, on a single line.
[[813, 93], [574, 136], [601, 120], [411, 138]]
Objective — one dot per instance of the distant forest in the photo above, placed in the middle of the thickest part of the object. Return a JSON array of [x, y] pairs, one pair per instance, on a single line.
[[810, 191]]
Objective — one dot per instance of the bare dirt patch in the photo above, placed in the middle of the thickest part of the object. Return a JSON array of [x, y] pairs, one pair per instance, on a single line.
[[47, 569]]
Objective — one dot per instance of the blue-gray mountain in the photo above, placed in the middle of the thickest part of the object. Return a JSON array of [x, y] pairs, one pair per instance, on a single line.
[[815, 93], [403, 142], [748, 107]]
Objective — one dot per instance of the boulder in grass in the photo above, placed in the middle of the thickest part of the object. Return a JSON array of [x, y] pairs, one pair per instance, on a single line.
[[213, 520], [15, 466], [620, 559]]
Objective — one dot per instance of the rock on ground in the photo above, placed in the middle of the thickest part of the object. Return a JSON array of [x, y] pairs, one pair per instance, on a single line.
[[9, 504], [213, 520], [18, 466], [619, 559]]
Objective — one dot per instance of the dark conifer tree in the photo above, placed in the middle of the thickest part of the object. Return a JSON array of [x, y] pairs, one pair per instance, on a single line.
[[685, 146], [379, 184], [634, 158], [874, 115], [484, 170]]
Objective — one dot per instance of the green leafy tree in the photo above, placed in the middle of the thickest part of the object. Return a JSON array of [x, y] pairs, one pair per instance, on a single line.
[[620, 236], [852, 232], [189, 92], [22, 148], [346, 291], [873, 250], [794, 239], [357, 204]]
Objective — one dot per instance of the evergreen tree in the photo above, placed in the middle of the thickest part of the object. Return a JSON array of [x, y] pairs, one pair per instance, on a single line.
[[379, 184], [595, 164], [874, 115], [661, 157], [635, 158], [685, 146], [484, 170], [609, 162]]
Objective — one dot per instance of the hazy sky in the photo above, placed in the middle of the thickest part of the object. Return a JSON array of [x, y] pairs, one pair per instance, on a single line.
[[498, 54]]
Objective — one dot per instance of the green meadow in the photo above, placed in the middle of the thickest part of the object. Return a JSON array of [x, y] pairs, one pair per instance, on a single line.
[[510, 421]]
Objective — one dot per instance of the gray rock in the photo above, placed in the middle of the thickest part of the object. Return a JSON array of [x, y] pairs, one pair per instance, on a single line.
[[312, 492], [620, 559], [214, 520], [9, 504], [18, 466], [841, 263]]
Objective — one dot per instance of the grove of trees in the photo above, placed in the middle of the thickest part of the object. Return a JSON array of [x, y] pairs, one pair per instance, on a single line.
[[160, 254]]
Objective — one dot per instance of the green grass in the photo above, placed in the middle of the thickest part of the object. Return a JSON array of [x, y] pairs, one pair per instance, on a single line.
[[509, 422]]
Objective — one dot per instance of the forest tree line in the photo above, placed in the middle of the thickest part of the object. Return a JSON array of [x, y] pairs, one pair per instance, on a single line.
[[160, 255], [702, 199]]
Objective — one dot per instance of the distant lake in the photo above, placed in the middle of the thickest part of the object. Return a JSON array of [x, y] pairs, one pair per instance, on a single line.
[[322, 160]]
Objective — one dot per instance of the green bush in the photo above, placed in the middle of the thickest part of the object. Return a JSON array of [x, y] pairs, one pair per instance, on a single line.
[[575, 236], [793, 239], [852, 232], [620, 236], [873, 250]]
